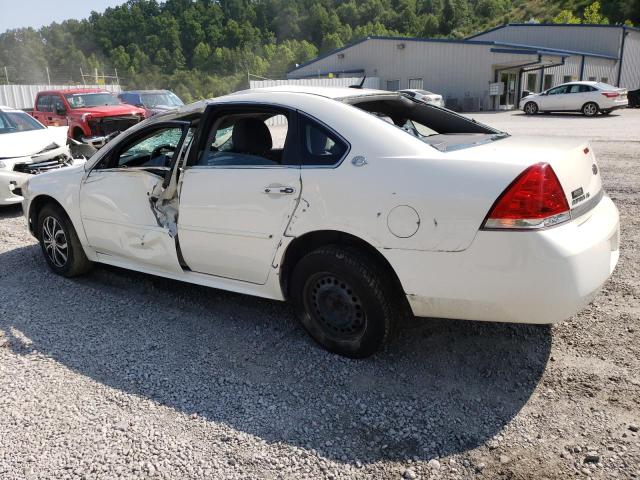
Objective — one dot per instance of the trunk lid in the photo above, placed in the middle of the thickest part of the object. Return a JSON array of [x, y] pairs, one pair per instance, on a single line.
[[572, 160]]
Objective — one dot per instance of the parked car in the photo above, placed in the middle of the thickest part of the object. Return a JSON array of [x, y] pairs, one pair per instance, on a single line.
[[425, 96], [310, 194], [634, 98], [586, 97], [28, 148], [92, 115], [153, 101]]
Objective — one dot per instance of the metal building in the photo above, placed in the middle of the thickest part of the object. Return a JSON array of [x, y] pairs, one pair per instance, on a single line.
[[490, 70]]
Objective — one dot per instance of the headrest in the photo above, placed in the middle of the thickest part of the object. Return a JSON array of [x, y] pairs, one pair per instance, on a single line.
[[252, 136]]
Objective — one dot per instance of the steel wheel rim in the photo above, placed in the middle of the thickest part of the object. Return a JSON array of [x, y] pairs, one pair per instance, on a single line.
[[336, 307], [590, 109], [55, 241], [530, 108]]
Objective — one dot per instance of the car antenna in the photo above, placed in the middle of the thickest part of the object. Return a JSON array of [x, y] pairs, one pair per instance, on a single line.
[[360, 85]]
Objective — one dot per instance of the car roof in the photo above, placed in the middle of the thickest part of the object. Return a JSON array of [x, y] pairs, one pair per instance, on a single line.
[[75, 90], [144, 91]]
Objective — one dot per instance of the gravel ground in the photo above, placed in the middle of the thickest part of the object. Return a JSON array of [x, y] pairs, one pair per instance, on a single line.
[[123, 375]]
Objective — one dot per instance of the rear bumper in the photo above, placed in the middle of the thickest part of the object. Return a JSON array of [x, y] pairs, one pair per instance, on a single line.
[[522, 277]]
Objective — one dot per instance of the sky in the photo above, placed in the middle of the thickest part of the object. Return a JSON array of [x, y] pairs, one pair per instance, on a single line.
[[36, 13]]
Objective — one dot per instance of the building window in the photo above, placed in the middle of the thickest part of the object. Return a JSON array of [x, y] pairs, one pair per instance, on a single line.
[[604, 80], [548, 81], [592, 79], [393, 85], [531, 82], [567, 79], [415, 83]]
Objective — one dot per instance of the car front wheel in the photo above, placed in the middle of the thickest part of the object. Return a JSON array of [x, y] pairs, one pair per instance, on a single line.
[[344, 300], [530, 108], [60, 244], [590, 109]]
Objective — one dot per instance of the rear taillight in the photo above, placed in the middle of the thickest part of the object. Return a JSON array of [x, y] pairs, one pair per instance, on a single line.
[[610, 94], [535, 199]]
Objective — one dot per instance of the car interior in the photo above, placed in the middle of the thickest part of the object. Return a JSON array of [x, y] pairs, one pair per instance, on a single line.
[[245, 139]]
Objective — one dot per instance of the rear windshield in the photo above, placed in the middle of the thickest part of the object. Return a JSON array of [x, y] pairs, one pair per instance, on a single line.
[[423, 121], [11, 122], [83, 100], [605, 86]]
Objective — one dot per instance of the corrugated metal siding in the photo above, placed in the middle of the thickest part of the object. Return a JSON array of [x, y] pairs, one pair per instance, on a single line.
[[370, 82], [460, 72], [23, 96], [600, 68], [599, 40], [630, 77]]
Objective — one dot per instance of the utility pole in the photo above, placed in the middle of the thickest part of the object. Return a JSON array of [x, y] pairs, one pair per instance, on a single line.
[[117, 79], [95, 72], [6, 74], [82, 75], [48, 76]]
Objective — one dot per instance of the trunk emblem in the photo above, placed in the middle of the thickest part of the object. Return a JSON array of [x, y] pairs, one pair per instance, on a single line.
[[594, 169]]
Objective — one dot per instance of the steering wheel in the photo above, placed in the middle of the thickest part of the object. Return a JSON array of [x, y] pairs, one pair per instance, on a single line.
[[163, 150]]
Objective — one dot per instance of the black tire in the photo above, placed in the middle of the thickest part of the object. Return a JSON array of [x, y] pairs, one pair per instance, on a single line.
[[531, 108], [60, 244], [590, 109], [345, 301]]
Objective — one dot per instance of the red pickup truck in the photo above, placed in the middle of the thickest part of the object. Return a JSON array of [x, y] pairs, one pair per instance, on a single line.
[[91, 114]]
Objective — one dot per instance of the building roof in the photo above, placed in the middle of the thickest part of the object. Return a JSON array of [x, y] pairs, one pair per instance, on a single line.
[[583, 25], [518, 48]]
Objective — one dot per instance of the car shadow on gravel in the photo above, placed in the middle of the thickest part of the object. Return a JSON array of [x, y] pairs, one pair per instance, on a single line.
[[10, 211], [442, 387]]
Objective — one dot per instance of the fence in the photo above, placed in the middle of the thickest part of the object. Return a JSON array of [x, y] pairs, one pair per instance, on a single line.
[[370, 82], [23, 96]]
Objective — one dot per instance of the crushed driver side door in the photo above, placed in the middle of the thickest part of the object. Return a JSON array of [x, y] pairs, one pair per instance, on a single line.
[[116, 198]]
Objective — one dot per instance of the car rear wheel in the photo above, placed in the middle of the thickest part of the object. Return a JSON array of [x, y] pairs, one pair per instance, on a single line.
[[344, 300], [590, 109], [60, 244], [530, 108]]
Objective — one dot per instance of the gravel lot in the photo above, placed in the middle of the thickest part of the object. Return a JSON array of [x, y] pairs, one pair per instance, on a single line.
[[123, 375]]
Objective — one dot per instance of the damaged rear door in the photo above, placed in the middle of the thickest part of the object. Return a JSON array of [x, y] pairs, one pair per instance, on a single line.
[[117, 198]]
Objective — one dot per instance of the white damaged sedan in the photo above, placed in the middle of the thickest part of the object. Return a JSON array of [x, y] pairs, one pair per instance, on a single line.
[[360, 206], [28, 148]]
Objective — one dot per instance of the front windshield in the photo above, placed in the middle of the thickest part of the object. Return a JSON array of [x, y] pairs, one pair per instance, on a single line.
[[11, 122], [83, 100], [162, 99]]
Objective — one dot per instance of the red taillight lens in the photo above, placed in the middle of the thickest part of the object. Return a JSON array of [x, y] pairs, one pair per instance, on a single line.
[[610, 94], [535, 199]]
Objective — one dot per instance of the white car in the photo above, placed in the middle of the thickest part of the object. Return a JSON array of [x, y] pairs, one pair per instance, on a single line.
[[586, 97], [28, 148], [310, 194], [425, 96]]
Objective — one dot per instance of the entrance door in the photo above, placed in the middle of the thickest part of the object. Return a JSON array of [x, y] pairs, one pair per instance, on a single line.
[[115, 199], [238, 196], [508, 97]]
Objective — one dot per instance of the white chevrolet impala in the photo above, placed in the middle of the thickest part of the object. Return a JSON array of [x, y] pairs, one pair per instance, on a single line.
[[360, 206]]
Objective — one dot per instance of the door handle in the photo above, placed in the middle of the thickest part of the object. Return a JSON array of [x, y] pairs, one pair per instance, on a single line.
[[279, 190]]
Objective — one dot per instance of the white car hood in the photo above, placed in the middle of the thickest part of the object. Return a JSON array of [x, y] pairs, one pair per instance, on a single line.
[[26, 144]]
